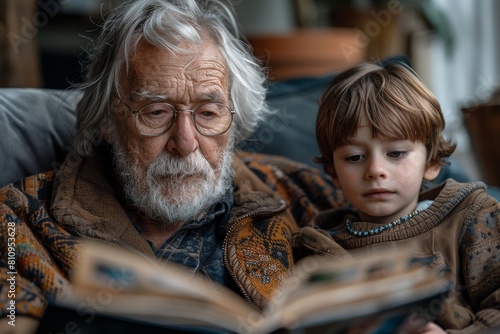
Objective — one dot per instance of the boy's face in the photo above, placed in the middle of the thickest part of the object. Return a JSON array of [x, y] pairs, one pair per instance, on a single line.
[[381, 178]]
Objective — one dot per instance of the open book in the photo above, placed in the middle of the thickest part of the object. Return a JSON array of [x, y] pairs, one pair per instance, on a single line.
[[381, 291]]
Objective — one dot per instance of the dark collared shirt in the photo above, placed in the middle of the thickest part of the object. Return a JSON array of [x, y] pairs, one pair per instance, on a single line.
[[197, 245]]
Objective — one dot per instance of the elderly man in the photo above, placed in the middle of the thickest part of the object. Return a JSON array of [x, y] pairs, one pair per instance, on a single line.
[[170, 91]]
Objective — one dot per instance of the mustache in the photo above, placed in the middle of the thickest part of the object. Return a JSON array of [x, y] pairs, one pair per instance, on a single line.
[[167, 165], [174, 189]]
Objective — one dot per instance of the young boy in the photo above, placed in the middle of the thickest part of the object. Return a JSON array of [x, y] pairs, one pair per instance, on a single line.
[[379, 132]]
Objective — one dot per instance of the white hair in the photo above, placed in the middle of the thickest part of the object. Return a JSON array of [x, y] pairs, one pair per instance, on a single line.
[[168, 24]]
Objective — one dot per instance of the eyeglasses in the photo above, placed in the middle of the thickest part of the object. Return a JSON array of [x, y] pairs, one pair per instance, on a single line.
[[154, 119]]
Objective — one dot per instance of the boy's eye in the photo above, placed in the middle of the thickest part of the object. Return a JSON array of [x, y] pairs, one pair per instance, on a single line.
[[396, 154], [354, 158]]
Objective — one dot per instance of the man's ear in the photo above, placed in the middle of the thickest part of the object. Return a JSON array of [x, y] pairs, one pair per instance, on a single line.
[[105, 133], [432, 172], [106, 127]]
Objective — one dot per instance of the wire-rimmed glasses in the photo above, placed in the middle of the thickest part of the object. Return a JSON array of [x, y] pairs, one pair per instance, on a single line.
[[154, 119]]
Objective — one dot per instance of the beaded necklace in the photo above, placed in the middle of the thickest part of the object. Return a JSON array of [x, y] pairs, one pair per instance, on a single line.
[[382, 228]]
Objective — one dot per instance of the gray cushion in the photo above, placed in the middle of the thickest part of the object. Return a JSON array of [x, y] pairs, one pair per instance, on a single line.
[[36, 127], [291, 131]]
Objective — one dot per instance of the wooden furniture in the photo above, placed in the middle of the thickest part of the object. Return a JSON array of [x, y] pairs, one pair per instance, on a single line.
[[308, 52], [483, 124], [19, 24]]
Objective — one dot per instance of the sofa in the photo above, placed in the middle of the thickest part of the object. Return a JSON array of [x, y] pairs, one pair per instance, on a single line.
[[37, 126]]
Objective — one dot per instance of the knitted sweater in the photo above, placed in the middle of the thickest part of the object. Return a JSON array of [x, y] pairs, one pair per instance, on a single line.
[[43, 216], [458, 235]]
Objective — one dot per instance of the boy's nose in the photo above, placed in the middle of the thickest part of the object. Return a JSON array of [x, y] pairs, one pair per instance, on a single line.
[[375, 169]]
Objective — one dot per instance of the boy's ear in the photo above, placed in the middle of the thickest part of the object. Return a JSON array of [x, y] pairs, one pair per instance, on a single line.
[[432, 172], [336, 182], [331, 171], [335, 179]]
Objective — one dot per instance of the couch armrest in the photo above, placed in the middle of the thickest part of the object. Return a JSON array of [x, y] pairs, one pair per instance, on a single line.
[[37, 126]]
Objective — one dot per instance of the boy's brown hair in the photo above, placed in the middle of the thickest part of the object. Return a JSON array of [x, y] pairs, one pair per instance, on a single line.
[[394, 101]]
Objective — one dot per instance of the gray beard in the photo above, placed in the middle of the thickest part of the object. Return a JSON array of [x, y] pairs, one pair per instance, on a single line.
[[174, 190]]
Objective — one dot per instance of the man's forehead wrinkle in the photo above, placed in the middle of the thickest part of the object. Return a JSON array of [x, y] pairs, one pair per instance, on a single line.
[[207, 65], [207, 77], [157, 78], [150, 85]]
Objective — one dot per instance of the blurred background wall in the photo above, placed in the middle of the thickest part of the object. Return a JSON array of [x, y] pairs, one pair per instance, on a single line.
[[454, 45]]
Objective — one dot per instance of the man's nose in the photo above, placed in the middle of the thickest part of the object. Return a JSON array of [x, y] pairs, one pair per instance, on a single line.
[[182, 136]]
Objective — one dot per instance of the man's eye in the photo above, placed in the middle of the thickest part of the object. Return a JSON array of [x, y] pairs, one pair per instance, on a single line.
[[208, 111], [158, 110], [156, 115]]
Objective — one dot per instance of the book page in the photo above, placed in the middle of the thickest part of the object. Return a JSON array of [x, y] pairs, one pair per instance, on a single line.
[[324, 290], [320, 293], [144, 289]]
